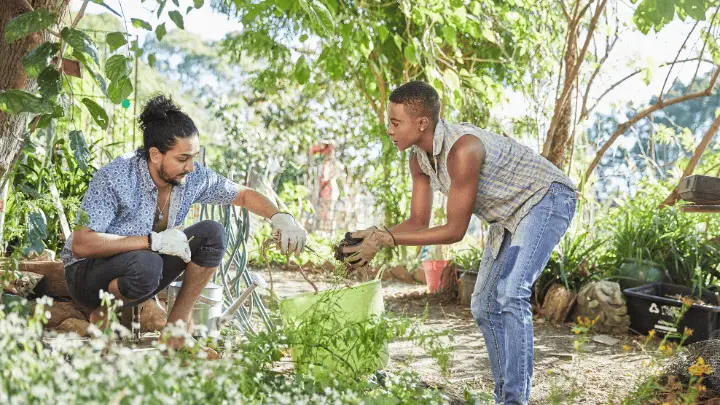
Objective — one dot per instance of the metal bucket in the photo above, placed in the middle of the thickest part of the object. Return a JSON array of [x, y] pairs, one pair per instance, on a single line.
[[207, 306]]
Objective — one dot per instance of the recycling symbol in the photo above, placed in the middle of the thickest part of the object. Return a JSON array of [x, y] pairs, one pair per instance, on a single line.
[[654, 308]]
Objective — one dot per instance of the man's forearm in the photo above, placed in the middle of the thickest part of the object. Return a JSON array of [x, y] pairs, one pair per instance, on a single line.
[[95, 245], [255, 202]]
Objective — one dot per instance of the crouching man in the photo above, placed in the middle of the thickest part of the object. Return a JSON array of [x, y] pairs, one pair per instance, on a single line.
[[131, 247]]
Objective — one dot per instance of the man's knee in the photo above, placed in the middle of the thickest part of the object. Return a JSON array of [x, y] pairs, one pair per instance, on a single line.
[[211, 233], [143, 276]]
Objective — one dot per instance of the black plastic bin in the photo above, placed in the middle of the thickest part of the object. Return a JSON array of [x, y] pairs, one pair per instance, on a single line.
[[650, 309]]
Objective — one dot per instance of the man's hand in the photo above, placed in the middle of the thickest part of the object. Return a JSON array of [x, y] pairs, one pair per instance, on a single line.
[[171, 242], [374, 239], [288, 233]]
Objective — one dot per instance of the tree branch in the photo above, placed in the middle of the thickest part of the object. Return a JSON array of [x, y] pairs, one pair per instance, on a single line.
[[608, 48], [619, 82], [581, 58], [662, 90], [366, 94], [702, 51], [383, 92], [572, 75], [655, 107], [80, 13], [564, 9], [675, 194], [483, 60]]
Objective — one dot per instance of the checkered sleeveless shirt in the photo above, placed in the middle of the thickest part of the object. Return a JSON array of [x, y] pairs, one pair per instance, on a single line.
[[512, 180]]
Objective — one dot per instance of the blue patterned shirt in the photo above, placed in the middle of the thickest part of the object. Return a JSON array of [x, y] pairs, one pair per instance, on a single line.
[[122, 197]]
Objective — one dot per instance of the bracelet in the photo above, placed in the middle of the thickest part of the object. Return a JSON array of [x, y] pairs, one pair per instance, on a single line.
[[391, 235], [149, 241]]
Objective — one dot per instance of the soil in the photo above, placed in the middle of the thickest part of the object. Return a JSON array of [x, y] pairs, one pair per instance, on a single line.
[[601, 373]]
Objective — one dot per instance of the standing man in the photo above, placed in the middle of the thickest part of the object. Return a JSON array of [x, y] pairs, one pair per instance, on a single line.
[[131, 246], [527, 201]]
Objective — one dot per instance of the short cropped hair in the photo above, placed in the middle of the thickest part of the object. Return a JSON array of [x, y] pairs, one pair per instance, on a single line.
[[422, 99]]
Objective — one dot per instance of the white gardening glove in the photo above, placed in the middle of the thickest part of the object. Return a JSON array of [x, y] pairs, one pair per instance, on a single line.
[[171, 242], [288, 233]]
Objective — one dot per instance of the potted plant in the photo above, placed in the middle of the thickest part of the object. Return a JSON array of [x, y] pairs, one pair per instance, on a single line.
[[436, 265]]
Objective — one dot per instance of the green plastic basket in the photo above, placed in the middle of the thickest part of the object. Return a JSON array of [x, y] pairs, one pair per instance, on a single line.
[[338, 308]]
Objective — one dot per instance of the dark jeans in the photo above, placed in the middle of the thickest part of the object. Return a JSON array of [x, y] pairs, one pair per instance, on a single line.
[[142, 274]]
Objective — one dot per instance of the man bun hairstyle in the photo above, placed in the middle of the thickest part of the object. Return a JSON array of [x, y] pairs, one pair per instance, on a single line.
[[162, 122], [422, 99]]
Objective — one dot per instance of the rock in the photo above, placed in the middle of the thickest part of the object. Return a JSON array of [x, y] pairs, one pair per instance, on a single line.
[[419, 276], [603, 300], [387, 275], [605, 339], [328, 267], [79, 326], [61, 311], [308, 267], [153, 316], [54, 272], [363, 274], [24, 284], [400, 273]]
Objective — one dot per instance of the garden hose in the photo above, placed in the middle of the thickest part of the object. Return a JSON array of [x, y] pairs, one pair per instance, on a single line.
[[233, 273]]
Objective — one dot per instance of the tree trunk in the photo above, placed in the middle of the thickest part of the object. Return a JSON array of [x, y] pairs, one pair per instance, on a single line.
[[558, 139], [12, 76]]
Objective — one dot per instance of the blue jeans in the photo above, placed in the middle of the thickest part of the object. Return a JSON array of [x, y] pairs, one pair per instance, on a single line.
[[501, 301]]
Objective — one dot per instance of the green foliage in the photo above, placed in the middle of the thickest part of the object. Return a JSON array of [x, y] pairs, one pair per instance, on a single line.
[[49, 83], [81, 42], [55, 99], [665, 236], [579, 262], [177, 18], [81, 152], [17, 101], [39, 58], [468, 259], [115, 40], [27, 23], [118, 67], [36, 232], [29, 202], [98, 113], [245, 374], [655, 14], [138, 23], [663, 142]]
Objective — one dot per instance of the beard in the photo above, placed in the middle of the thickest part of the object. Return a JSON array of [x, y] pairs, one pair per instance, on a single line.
[[167, 178]]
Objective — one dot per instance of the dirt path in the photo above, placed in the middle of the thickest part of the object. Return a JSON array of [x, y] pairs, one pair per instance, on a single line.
[[600, 373]]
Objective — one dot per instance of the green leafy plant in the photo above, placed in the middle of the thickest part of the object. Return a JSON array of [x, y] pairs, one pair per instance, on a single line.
[[468, 259], [30, 207], [579, 261], [664, 236]]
